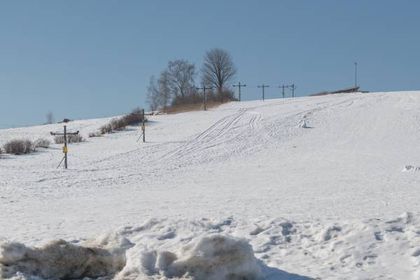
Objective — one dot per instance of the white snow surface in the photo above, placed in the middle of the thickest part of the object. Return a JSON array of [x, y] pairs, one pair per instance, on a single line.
[[306, 188]]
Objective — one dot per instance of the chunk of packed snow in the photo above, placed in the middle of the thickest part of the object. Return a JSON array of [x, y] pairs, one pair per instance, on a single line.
[[215, 257], [62, 260]]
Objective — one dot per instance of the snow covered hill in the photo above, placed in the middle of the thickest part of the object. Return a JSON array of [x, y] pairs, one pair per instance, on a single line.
[[320, 187]]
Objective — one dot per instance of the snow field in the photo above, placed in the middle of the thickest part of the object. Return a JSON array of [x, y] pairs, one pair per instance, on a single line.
[[339, 169]]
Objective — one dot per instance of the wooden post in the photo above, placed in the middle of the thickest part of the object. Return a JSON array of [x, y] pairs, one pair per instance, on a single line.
[[143, 126], [65, 147], [204, 99]]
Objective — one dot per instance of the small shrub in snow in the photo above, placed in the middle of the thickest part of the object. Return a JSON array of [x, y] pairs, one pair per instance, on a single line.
[[59, 139], [75, 139], [42, 143], [134, 118], [116, 124], [95, 134], [19, 147], [106, 128]]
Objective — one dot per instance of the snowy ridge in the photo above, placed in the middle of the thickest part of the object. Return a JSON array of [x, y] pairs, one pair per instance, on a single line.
[[202, 249], [339, 169]]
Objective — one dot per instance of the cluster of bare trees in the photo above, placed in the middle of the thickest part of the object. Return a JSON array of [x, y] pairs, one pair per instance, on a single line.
[[177, 83]]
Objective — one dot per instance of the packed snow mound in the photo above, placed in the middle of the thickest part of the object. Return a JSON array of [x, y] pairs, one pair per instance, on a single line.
[[229, 249], [59, 259], [215, 257]]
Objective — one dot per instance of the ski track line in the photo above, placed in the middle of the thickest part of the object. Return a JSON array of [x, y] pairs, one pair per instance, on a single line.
[[215, 131], [227, 131]]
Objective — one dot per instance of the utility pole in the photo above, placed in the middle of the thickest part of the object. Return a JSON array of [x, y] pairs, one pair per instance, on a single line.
[[65, 149], [355, 74], [282, 90], [293, 87], [239, 86], [204, 88], [263, 87]]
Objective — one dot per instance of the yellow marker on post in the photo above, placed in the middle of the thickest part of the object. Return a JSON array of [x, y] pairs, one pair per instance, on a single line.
[[65, 150]]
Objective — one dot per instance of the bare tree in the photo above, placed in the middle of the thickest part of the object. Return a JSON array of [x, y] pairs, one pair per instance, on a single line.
[[164, 84], [174, 86], [159, 93], [50, 118], [153, 94], [181, 74], [218, 69]]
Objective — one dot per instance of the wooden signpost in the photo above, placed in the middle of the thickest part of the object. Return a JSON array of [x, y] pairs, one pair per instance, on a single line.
[[65, 149], [143, 125]]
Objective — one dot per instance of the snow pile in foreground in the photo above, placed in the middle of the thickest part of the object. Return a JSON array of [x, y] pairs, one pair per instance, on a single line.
[[62, 260], [265, 248], [213, 257]]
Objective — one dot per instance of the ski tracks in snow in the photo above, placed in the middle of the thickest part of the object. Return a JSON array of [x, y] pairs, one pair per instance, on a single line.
[[222, 139], [245, 132]]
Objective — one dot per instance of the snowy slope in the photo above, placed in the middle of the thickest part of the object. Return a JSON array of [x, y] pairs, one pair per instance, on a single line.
[[320, 186]]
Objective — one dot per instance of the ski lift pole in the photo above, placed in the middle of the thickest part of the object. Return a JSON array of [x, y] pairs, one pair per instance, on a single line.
[[204, 88]]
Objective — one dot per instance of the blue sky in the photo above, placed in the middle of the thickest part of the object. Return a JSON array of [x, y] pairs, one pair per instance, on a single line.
[[94, 58]]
